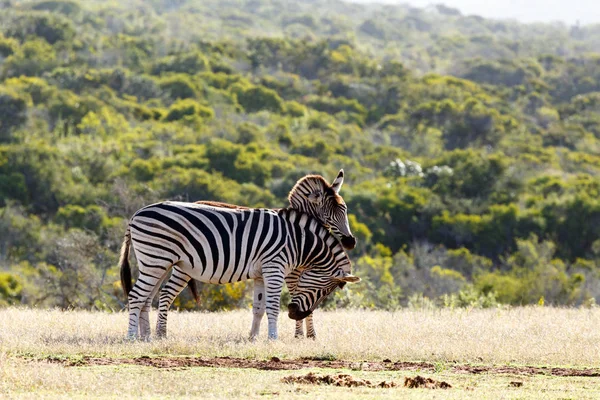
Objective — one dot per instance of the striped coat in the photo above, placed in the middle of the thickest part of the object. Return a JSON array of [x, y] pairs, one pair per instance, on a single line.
[[312, 195], [218, 245]]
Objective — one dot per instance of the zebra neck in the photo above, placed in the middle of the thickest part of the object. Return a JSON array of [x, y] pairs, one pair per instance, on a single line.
[[308, 239], [303, 206]]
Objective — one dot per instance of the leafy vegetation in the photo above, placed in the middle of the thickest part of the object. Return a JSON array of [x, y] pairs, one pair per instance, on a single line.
[[471, 146]]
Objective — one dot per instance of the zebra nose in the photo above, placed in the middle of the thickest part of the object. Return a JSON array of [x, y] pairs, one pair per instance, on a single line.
[[349, 242], [292, 310], [295, 313]]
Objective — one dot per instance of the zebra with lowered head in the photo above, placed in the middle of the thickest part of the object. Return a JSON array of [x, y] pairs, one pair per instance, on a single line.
[[312, 195], [223, 245]]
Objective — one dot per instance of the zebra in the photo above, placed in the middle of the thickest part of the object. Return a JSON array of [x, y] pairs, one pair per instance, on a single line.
[[291, 282], [311, 194], [223, 245]]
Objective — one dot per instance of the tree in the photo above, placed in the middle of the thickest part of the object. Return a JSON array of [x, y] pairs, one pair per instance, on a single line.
[[13, 112], [32, 59], [50, 27], [187, 108], [179, 86], [258, 98], [11, 289]]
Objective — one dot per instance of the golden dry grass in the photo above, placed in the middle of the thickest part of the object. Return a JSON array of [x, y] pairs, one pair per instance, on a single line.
[[19, 379], [532, 335]]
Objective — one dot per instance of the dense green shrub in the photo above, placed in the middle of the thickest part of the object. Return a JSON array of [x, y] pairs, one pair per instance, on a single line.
[[188, 108], [11, 289], [255, 99], [13, 112], [471, 159]]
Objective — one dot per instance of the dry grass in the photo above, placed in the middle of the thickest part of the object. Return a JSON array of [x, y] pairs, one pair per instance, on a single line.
[[31, 380], [533, 335], [521, 336]]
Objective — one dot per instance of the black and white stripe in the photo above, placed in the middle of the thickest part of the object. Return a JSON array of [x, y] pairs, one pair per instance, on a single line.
[[291, 282], [222, 245], [312, 195]]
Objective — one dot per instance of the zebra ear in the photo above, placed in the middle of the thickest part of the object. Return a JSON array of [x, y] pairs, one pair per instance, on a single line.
[[338, 181], [348, 278], [315, 197]]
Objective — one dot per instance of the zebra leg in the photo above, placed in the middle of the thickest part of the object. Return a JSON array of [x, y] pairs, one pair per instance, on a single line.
[[291, 282], [145, 318], [143, 288], [144, 325], [174, 286], [310, 328], [299, 329], [273, 284], [258, 307]]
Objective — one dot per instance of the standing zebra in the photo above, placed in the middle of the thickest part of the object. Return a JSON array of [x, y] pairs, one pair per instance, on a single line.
[[224, 245], [312, 195]]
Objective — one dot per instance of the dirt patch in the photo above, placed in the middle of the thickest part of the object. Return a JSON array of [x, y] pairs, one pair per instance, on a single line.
[[419, 382], [275, 363], [336, 380], [525, 370]]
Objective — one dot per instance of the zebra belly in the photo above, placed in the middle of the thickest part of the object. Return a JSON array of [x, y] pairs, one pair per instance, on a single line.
[[230, 275]]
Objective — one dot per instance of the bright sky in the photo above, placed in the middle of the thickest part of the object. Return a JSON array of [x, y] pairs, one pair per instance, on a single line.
[[568, 11]]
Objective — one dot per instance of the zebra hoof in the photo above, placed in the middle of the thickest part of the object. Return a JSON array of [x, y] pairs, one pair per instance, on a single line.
[[313, 337], [161, 335]]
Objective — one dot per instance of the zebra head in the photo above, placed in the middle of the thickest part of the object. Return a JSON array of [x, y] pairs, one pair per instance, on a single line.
[[312, 288], [316, 197]]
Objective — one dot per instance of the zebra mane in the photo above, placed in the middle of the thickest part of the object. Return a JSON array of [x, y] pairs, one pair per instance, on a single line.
[[221, 205]]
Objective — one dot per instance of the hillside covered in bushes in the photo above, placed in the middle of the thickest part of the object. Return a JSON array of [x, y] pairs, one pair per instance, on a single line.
[[471, 146]]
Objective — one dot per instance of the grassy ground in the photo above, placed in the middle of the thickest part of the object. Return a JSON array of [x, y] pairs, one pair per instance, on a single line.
[[523, 336], [28, 380]]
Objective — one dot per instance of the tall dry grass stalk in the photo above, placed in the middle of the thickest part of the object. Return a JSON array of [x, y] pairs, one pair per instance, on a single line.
[[530, 335]]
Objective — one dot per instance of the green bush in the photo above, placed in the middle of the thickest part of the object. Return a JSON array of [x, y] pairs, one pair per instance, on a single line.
[[179, 86], [258, 98], [8, 46], [188, 108], [91, 218], [187, 63], [13, 112], [11, 289], [50, 27]]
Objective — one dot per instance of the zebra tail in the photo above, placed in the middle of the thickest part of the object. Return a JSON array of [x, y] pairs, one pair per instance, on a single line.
[[194, 289], [124, 263]]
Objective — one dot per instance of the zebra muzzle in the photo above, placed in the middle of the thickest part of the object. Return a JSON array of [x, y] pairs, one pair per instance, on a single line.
[[349, 242], [295, 313]]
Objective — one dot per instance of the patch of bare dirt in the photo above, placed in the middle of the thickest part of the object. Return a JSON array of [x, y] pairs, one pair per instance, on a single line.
[[525, 370], [276, 363], [420, 382], [336, 380]]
